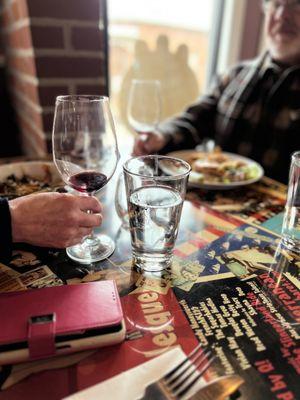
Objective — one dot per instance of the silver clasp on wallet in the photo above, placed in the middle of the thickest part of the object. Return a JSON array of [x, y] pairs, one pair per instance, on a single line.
[[41, 335]]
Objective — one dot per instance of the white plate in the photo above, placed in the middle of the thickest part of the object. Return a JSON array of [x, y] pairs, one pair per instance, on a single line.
[[194, 176], [40, 170]]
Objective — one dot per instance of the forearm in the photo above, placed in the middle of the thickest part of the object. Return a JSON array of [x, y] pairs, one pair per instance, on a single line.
[[5, 231], [188, 130], [198, 120]]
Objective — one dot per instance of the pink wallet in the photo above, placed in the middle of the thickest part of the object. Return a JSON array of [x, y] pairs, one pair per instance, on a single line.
[[59, 320]]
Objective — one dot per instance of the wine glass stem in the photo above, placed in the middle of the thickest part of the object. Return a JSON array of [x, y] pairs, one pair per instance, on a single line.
[[91, 237]]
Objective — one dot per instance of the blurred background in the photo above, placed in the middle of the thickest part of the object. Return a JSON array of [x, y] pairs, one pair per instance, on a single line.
[[54, 47]]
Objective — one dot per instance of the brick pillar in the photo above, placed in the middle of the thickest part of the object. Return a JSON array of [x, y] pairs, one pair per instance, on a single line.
[[54, 47]]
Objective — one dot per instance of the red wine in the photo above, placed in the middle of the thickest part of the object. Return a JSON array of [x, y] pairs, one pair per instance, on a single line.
[[88, 181]]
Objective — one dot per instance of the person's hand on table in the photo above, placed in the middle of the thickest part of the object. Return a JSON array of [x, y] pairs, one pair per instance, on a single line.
[[148, 143], [53, 219]]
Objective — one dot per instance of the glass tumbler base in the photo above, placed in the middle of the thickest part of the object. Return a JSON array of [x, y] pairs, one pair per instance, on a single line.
[[151, 263], [90, 251], [291, 243]]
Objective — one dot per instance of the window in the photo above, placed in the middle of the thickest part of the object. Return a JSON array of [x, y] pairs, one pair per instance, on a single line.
[[173, 41]]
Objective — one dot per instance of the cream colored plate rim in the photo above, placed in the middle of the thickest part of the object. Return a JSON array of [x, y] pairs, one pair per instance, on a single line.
[[34, 169], [186, 154]]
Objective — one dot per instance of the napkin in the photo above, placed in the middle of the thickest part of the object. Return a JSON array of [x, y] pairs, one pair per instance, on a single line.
[[131, 384]]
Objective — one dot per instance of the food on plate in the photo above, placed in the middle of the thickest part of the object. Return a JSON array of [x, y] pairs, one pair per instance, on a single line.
[[13, 186], [219, 167]]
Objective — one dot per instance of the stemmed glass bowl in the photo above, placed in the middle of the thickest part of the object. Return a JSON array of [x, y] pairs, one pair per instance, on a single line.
[[85, 152], [144, 105]]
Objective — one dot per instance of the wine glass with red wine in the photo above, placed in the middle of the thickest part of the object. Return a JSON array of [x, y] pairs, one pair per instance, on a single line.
[[85, 152]]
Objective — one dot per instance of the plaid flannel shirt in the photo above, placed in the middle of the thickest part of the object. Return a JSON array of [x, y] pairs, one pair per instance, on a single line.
[[254, 110]]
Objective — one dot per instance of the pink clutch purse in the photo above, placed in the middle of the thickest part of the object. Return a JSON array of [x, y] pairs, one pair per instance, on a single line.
[[59, 320]]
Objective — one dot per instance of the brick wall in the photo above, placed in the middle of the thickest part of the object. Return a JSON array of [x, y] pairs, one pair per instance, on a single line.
[[53, 47], [10, 146]]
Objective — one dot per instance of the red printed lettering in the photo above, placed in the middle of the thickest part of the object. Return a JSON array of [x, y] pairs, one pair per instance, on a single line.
[[285, 396], [264, 366], [277, 382]]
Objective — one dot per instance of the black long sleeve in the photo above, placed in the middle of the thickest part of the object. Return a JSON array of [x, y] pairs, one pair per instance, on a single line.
[[5, 231]]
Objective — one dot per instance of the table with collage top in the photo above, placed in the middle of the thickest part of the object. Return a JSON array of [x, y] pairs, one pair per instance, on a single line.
[[232, 286]]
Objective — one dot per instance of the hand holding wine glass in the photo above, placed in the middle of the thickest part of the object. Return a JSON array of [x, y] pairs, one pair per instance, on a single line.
[[53, 219], [85, 152], [148, 143]]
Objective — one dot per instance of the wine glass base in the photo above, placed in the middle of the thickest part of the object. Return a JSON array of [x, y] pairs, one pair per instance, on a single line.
[[92, 250]]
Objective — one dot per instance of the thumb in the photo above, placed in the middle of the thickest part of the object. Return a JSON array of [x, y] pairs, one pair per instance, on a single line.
[[146, 141]]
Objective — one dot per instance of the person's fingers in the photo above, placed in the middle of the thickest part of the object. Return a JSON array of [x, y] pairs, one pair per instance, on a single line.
[[72, 237], [135, 150], [155, 142], [53, 219], [81, 234], [148, 143], [139, 148], [89, 220], [144, 137], [149, 146], [74, 241], [89, 203], [84, 231]]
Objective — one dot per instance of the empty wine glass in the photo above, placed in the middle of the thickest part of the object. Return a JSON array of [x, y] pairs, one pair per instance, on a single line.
[[85, 152], [144, 105]]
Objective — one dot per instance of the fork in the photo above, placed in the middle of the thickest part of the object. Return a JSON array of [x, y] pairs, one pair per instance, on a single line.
[[219, 389], [182, 378]]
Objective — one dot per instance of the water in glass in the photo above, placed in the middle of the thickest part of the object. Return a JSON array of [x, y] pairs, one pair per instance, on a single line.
[[156, 187], [291, 222], [156, 212]]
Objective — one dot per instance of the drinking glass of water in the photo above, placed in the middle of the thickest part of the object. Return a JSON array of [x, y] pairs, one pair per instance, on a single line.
[[144, 105], [155, 187], [291, 221]]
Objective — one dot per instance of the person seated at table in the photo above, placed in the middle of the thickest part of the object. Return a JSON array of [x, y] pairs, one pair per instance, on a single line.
[[254, 109], [47, 219]]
